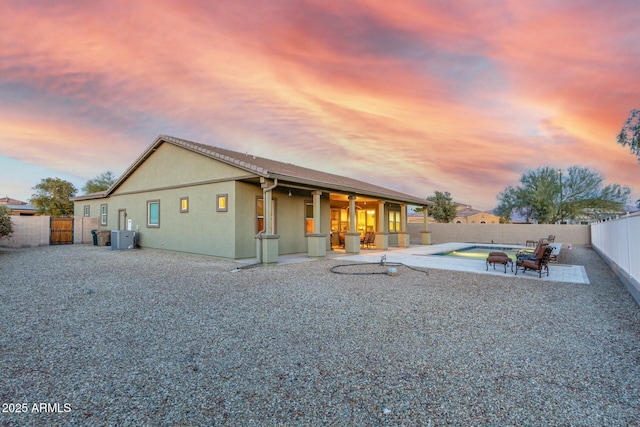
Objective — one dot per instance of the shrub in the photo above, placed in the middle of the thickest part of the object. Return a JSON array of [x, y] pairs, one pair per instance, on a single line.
[[6, 227]]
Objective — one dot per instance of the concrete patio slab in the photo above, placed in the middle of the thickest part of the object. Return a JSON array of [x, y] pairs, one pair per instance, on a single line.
[[424, 256]]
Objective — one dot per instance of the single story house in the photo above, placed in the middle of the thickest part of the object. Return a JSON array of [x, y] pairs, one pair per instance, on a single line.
[[467, 215], [17, 207], [185, 196]]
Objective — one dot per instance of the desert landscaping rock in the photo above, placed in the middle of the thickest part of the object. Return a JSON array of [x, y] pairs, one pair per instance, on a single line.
[[150, 337]]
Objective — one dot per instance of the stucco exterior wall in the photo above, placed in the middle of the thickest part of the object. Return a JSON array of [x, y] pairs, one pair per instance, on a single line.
[[167, 176], [172, 173], [246, 224], [201, 229], [171, 166], [501, 233], [478, 218]]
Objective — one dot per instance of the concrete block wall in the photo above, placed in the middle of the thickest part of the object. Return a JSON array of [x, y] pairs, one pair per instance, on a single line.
[[501, 233], [31, 231], [82, 227], [28, 231]]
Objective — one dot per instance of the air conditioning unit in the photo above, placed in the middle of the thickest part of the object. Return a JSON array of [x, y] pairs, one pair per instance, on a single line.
[[122, 239]]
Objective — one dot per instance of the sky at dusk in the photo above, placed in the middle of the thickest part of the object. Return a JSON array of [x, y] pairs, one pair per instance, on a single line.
[[416, 96]]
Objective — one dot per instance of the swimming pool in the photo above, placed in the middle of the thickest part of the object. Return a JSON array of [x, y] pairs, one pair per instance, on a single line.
[[480, 252]]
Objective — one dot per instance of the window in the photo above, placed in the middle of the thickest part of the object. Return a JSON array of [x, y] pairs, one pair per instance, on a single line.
[[308, 209], [86, 210], [221, 203], [339, 220], [184, 204], [260, 215], [394, 221], [153, 213], [103, 214]]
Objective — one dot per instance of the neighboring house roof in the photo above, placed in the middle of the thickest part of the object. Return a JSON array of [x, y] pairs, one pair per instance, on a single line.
[[286, 173], [17, 205], [468, 211], [9, 201], [24, 207]]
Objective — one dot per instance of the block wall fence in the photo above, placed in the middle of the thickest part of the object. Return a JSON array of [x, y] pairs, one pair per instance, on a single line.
[[501, 233], [29, 231]]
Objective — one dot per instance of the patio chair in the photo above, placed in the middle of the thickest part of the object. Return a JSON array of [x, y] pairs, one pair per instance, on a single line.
[[538, 264], [341, 239], [369, 239], [547, 240], [531, 253]]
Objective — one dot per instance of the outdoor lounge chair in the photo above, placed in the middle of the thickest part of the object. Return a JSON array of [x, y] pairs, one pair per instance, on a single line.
[[547, 240], [499, 258], [531, 253], [369, 239], [538, 264]]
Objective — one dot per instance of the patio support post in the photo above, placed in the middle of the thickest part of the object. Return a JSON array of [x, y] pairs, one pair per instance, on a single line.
[[267, 249], [403, 236], [316, 241], [382, 236], [425, 234], [316, 210], [352, 214], [352, 238], [268, 208]]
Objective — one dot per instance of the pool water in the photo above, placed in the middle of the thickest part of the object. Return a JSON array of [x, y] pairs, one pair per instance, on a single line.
[[480, 252]]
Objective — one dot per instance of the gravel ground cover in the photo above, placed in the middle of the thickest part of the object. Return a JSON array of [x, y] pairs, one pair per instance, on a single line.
[[150, 337]]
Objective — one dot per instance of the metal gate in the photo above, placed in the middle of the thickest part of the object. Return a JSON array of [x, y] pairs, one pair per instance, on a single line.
[[61, 231]]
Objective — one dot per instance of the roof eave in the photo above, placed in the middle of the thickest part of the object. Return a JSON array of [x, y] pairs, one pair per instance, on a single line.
[[90, 196], [352, 190]]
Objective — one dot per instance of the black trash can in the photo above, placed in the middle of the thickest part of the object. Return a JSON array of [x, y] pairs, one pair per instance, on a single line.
[[95, 237]]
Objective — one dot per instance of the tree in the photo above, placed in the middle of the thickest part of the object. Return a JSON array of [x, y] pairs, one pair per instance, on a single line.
[[100, 183], [444, 210], [6, 227], [630, 133], [508, 199], [547, 195], [52, 197]]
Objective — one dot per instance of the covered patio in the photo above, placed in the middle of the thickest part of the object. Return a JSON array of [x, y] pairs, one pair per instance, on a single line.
[[341, 216]]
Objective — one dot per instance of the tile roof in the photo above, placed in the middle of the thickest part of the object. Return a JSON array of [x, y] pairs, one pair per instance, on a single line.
[[286, 173], [465, 212], [293, 173], [21, 207], [9, 201]]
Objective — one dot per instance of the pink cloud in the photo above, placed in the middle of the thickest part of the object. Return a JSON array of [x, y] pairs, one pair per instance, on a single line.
[[459, 98]]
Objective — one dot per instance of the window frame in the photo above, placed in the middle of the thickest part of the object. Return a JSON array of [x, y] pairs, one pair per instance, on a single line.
[[273, 214], [308, 220], [184, 201], [149, 203], [396, 220], [87, 210], [104, 214], [225, 198]]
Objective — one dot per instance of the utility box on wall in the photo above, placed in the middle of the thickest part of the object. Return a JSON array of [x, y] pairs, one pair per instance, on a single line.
[[122, 239]]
